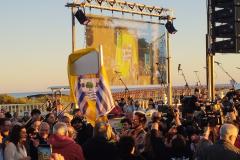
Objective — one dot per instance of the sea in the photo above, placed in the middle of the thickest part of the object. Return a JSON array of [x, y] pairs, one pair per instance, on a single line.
[[25, 94]]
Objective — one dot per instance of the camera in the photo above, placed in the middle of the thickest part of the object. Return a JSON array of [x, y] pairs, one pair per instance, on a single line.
[[211, 118]]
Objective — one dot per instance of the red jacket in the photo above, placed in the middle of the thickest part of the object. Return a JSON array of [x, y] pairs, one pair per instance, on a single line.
[[237, 142], [66, 147]]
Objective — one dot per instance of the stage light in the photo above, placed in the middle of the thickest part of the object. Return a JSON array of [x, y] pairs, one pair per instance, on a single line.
[[170, 28], [81, 17]]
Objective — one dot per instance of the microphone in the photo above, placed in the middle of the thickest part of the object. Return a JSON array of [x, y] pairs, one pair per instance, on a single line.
[[179, 67]]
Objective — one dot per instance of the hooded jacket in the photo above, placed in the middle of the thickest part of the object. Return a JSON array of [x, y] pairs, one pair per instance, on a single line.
[[66, 147]]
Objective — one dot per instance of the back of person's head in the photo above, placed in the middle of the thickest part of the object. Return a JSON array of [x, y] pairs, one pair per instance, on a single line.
[[126, 120], [228, 132], [8, 115], [100, 130], [2, 121], [141, 116], [196, 90], [178, 145], [75, 111], [60, 129], [156, 116], [126, 145], [35, 112]]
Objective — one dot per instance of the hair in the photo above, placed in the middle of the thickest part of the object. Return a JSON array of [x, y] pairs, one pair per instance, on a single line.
[[60, 128], [178, 145], [48, 115], [100, 130], [196, 90], [126, 145], [126, 120], [142, 117], [76, 110], [77, 120], [8, 115], [3, 120], [30, 130], [43, 124], [150, 99], [15, 136], [35, 111], [227, 130], [71, 132]]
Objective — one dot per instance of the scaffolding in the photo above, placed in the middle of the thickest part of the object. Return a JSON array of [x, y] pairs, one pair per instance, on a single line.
[[131, 8], [125, 7]]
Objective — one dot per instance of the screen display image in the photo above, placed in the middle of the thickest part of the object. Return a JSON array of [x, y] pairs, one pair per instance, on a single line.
[[134, 51], [44, 152]]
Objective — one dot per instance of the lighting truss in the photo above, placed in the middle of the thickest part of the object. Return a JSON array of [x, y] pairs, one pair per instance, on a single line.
[[125, 7]]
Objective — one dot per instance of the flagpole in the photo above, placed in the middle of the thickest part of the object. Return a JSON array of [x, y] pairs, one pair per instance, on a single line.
[[73, 31], [169, 71], [100, 55]]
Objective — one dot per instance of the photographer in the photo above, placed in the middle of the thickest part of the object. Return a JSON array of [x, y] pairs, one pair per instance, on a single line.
[[155, 148]]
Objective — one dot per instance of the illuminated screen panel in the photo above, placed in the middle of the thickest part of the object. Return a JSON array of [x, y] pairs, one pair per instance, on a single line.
[[132, 50]]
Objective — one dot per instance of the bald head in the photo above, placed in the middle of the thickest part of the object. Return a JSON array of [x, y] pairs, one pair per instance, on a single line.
[[229, 133]]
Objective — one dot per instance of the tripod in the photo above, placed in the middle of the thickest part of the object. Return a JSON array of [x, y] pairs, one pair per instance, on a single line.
[[126, 90], [198, 79], [219, 65], [184, 77]]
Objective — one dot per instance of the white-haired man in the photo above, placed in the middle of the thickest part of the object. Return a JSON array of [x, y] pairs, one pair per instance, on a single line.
[[64, 145], [224, 149]]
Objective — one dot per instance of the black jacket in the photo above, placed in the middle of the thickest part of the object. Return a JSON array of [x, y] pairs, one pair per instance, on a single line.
[[222, 150], [99, 148]]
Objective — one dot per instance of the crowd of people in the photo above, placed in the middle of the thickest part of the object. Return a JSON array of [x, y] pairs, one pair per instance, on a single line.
[[195, 130]]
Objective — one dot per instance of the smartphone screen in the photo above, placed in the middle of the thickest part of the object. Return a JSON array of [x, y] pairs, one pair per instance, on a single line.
[[44, 152]]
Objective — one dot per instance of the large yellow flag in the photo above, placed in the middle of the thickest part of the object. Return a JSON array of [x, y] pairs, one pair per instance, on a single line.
[[88, 82]]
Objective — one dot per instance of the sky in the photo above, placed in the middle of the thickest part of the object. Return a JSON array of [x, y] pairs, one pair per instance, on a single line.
[[35, 41]]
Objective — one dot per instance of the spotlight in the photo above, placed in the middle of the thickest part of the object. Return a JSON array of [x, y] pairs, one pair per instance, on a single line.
[[81, 17], [170, 28]]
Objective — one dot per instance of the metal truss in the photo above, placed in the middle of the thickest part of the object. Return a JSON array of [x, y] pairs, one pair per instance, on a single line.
[[125, 7]]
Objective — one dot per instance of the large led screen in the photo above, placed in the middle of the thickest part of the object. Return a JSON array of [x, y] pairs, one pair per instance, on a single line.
[[134, 52]]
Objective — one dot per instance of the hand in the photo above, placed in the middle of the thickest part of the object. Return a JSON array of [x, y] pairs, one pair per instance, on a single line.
[[155, 126], [206, 132], [25, 158], [56, 156], [35, 142]]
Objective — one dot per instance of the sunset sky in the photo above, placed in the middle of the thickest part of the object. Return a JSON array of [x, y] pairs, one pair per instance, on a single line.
[[35, 41]]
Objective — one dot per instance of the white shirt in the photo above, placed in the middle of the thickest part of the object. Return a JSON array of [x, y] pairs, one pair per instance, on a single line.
[[12, 153]]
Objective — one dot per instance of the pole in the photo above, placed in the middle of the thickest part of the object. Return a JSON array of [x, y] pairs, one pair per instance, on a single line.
[[210, 55], [212, 77], [169, 71], [73, 31], [151, 63]]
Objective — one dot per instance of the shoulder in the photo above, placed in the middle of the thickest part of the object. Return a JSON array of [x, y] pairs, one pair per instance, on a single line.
[[10, 145]]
